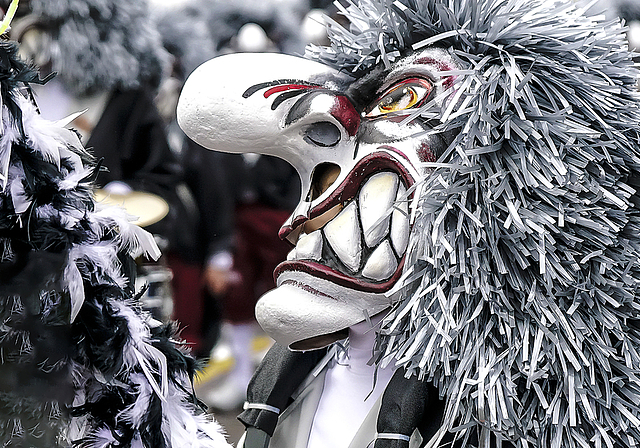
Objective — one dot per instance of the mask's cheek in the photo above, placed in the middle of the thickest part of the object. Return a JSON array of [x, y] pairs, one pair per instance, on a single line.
[[388, 130], [306, 312], [412, 141]]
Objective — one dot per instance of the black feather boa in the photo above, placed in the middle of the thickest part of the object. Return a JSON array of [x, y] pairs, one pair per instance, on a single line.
[[80, 363]]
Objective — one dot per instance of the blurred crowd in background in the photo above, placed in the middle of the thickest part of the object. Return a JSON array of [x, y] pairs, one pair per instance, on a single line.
[[123, 63]]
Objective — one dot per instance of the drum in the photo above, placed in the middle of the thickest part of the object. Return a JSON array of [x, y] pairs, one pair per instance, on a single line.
[[147, 208]]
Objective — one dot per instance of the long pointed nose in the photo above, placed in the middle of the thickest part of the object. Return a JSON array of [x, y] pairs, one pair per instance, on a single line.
[[229, 103]]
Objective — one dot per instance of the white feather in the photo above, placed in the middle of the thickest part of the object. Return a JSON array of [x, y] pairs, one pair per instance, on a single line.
[[138, 351], [41, 134], [135, 413], [131, 238], [19, 197], [137, 442], [10, 134], [103, 438], [73, 282], [104, 256], [64, 122], [181, 424], [73, 179], [72, 141], [69, 217], [145, 363], [182, 427], [145, 243]]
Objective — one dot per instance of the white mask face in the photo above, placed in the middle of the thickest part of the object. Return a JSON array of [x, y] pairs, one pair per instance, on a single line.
[[358, 153]]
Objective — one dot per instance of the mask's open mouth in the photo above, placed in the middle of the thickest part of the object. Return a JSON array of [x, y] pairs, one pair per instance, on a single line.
[[363, 242]]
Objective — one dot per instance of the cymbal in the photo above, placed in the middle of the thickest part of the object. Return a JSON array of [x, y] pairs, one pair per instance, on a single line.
[[147, 207]]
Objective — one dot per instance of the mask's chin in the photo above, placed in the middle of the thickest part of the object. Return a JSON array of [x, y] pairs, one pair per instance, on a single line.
[[319, 341], [306, 312]]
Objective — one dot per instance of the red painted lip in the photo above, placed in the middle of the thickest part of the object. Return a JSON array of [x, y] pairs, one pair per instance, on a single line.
[[373, 163], [307, 288], [319, 270]]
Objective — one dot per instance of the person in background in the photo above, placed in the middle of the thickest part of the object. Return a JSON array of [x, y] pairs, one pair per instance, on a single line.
[[197, 294], [266, 192], [201, 275]]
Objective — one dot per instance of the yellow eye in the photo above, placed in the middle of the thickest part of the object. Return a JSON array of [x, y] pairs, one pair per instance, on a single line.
[[402, 96]]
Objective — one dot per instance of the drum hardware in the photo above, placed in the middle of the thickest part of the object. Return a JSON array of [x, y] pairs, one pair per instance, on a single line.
[[157, 297]]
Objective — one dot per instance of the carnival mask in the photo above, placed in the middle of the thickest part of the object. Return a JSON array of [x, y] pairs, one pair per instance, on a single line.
[[358, 145]]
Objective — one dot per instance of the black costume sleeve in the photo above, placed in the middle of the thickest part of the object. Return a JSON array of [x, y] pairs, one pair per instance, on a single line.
[[206, 176], [277, 378]]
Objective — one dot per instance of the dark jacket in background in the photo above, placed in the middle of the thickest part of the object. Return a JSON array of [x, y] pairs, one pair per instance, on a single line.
[[131, 141]]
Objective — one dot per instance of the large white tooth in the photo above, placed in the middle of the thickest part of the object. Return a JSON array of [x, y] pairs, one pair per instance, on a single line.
[[343, 235], [400, 222], [381, 264], [309, 246], [376, 198], [291, 255]]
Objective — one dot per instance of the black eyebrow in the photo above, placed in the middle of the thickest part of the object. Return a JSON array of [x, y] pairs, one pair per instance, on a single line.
[[364, 90], [278, 82], [300, 108], [285, 96]]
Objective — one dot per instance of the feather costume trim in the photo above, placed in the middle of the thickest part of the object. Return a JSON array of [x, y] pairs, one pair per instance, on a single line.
[[80, 363]]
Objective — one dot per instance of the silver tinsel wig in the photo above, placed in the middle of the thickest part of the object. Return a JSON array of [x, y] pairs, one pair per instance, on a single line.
[[80, 363], [521, 287]]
